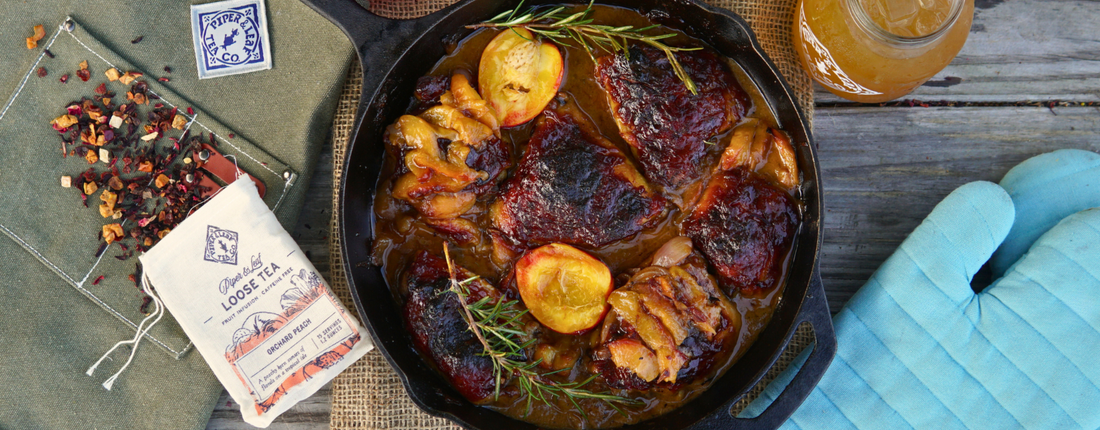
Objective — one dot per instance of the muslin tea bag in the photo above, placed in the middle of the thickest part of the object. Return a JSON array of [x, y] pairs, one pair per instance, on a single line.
[[253, 304]]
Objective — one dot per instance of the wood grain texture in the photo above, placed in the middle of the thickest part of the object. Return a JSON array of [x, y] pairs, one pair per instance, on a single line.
[[1032, 50], [884, 169]]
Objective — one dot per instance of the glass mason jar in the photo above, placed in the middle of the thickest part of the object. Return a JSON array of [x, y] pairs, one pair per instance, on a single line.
[[872, 51]]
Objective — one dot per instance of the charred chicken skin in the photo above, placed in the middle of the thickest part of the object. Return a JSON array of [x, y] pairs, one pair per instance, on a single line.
[[575, 187], [667, 323], [745, 226], [664, 123], [439, 329]]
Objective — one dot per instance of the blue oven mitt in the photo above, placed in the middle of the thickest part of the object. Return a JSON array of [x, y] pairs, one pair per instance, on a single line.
[[918, 349]]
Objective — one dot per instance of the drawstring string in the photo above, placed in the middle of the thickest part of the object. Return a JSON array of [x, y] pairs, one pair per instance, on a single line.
[[142, 329]]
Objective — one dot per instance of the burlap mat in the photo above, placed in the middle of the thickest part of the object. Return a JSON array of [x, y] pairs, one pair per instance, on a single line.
[[369, 394]]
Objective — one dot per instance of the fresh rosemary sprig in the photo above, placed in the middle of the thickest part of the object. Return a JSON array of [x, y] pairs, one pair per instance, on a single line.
[[498, 327], [561, 27]]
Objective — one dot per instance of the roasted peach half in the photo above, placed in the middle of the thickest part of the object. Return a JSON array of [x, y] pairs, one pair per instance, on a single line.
[[518, 75], [564, 288]]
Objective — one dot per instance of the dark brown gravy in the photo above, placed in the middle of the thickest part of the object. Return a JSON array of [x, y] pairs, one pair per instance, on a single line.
[[399, 235]]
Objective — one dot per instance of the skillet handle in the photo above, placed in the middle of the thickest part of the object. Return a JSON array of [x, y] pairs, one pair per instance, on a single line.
[[815, 310]]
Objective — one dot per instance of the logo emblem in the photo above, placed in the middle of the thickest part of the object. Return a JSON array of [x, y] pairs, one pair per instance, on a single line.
[[221, 246], [230, 37]]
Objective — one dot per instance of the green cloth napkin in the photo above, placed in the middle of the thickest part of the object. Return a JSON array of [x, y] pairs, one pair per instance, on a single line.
[[54, 322]]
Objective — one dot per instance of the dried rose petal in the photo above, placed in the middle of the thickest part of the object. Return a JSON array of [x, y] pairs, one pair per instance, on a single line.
[[84, 75], [101, 89], [42, 72], [163, 79], [137, 40], [190, 111], [64, 78], [97, 280]]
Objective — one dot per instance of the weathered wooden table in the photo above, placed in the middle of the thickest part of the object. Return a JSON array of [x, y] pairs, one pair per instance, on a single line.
[[1027, 82]]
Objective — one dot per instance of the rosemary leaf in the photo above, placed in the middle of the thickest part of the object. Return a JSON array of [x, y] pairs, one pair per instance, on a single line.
[[555, 25], [498, 327]]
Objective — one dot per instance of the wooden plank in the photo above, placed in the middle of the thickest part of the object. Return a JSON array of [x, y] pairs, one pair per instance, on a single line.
[[884, 169], [309, 414], [1026, 50]]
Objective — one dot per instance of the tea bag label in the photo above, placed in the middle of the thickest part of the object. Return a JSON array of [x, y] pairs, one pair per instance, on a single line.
[[316, 331], [255, 307]]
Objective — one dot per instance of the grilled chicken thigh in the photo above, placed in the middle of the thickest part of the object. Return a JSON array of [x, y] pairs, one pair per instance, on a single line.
[[664, 123], [573, 186]]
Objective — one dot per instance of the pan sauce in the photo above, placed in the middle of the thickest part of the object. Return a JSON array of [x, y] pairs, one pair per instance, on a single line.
[[400, 235]]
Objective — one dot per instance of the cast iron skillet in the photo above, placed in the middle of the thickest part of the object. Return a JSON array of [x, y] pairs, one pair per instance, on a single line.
[[395, 53]]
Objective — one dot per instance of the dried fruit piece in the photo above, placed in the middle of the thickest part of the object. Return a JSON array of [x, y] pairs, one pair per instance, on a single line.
[[90, 187], [104, 155], [112, 74], [518, 75], [39, 33], [64, 78], [116, 120], [112, 232], [63, 122], [178, 122], [129, 77], [150, 136], [110, 199], [161, 181], [565, 288], [115, 183], [66, 182], [145, 166], [42, 72], [91, 157], [101, 89]]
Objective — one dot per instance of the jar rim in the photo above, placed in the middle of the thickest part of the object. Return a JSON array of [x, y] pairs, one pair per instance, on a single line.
[[869, 26]]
